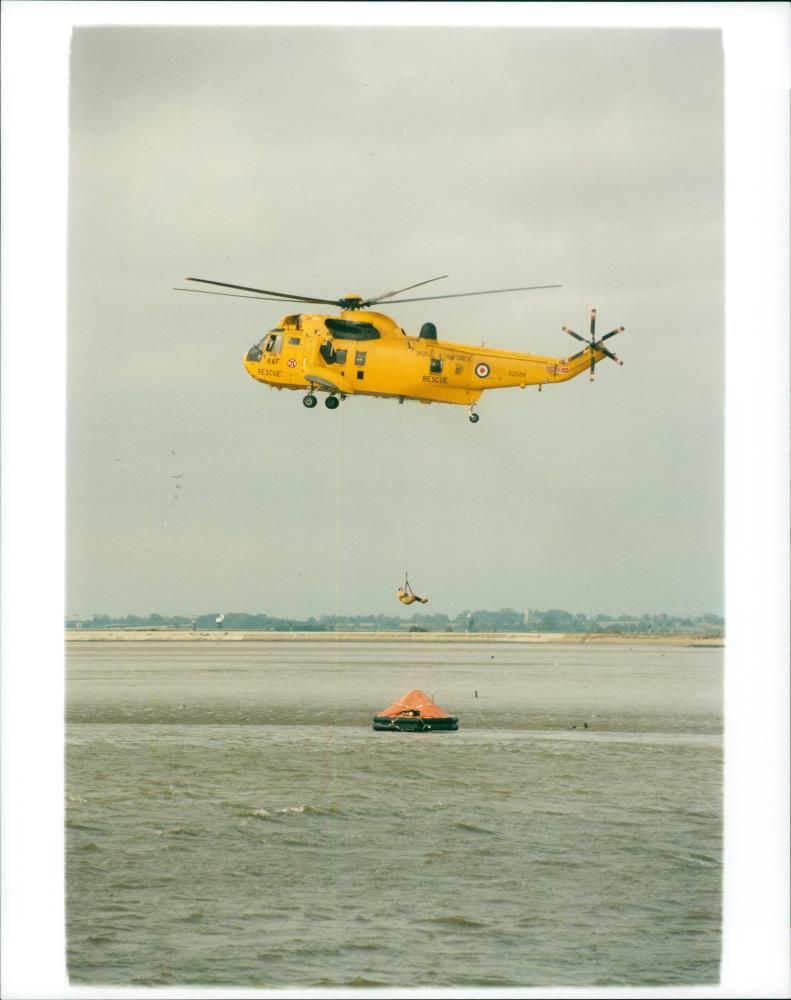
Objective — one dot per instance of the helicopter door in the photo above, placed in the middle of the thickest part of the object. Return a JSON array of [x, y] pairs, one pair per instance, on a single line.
[[273, 343], [291, 350]]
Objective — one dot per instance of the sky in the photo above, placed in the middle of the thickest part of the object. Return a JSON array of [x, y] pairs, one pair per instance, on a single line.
[[588, 497], [327, 160]]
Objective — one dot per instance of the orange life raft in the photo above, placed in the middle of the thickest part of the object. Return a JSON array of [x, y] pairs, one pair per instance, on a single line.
[[414, 713]]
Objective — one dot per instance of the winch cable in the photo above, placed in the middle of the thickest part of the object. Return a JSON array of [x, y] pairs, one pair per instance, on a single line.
[[404, 493]]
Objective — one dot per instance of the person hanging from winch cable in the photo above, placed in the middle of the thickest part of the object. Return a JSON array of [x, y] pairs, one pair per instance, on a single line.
[[407, 596]]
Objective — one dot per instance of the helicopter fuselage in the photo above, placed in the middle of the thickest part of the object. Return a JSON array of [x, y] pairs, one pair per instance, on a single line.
[[366, 353]]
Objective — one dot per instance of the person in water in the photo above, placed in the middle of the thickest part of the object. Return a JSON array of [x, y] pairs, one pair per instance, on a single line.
[[407, 596]]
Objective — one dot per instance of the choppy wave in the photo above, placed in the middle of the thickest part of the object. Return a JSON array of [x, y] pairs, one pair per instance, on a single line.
[[254, 846], [472, 828], [454, 920], [276, 813]]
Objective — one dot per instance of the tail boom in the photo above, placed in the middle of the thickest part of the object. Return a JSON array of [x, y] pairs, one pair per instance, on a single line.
[[521, 370]]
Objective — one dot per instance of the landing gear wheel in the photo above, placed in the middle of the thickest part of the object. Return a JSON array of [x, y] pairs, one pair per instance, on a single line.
[[332, 402], [309, 401], [474, 418]]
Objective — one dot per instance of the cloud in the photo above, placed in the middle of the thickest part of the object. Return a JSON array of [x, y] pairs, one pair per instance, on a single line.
[[502, 158]]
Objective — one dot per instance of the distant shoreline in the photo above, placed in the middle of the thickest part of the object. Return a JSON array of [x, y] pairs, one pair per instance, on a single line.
[[240, 635]]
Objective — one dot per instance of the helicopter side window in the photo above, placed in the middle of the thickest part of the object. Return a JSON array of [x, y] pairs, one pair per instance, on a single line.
[[436, 365], [274, 342], [331, 356], [293, 340]]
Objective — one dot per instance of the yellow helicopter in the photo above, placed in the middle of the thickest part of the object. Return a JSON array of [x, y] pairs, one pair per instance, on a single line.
[[365, 353]]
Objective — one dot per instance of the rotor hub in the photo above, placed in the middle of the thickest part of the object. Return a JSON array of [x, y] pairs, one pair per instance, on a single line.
[[596, 345], [351, 302]]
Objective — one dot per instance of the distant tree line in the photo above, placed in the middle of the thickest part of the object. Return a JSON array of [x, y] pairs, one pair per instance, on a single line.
[[505, 620]]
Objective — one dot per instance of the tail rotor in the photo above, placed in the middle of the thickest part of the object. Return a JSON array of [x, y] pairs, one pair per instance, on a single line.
[[596, 345]]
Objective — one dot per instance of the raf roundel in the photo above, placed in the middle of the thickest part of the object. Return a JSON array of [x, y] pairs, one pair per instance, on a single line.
[[482, 370]]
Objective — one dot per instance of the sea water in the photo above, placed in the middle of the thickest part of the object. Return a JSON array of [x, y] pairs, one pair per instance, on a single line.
[[233, 819]]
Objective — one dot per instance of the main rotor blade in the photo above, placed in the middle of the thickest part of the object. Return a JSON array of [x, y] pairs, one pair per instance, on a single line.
[[608, 354], [231, 295], [463, 295], [281, 296], [380, 298]]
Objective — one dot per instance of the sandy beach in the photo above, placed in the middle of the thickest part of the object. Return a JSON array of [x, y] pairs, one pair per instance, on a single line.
[[239, 635]]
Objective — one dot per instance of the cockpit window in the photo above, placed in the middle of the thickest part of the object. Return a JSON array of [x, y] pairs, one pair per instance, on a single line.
[[272, 343], [255, 353]]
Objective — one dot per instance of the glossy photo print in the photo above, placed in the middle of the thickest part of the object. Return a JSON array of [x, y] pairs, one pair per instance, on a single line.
[[348, 419], [397, 646]]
